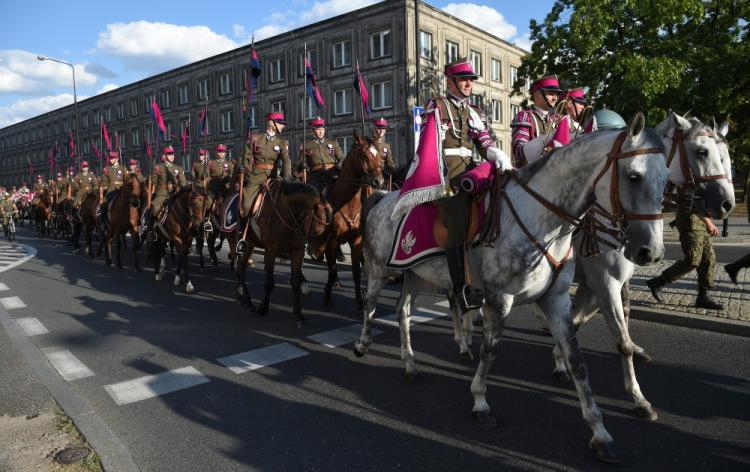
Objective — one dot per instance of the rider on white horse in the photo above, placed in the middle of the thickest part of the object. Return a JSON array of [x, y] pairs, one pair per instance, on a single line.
[[531, 125]]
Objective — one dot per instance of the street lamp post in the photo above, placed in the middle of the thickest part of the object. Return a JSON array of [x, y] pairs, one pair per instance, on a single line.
[[75, 96]]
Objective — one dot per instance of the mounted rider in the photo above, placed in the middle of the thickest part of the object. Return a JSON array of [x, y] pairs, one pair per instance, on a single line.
[[83, 183], [464, 131], [40, 187], [260, 159], [167, 177], [580, 115], [113, 177], [531, 125], [385, 149], [199, 169], [320, 157], [220, 172], [134, 168]]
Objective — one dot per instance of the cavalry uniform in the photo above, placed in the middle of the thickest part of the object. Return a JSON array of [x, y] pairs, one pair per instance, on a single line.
[[199, 169], [531, 125], [84, 183], [259, 160], [136, 171], [112, 176], [220, 171], [320, 157], [40, 187], [167, 177], [384, 148]]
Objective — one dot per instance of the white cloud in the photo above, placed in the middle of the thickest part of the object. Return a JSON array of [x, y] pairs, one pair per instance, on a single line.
[[107, 88], [330, 8], [524, 42], [24, 109], [268, 31], [238, 31], [152, 47], [283, 21], [483, 17], [22, 72]]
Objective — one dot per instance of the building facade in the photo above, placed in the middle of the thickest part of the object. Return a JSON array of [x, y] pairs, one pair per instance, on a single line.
[[382, 38]]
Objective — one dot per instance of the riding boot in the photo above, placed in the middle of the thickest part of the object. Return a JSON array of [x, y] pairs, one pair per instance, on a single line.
[[655, 285], [704, 301], [469, 298], [733, 268]]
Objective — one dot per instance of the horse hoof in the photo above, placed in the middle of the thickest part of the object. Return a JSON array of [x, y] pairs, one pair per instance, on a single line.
[[176, 281], [158, 277], [119, 266], [301, 324], [606, 452], [645, 412], [467, 355], [641, 357], [336, 284], [305, 289], [189, 288], [484, 419], [562, 376], [250, 263], [358, 351], [414, 376]]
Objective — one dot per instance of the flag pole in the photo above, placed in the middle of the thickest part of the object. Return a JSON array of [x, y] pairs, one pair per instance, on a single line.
[[304, 111], [359, 92], [101, 141]]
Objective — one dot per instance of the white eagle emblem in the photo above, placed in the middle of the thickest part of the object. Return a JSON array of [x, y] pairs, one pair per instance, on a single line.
[[408, 242], [276, 148]]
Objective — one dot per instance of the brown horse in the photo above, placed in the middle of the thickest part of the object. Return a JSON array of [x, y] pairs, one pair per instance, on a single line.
[[124, 215], [361, 172], [290, 215], [183, 220], [86, 221], [43, 213]]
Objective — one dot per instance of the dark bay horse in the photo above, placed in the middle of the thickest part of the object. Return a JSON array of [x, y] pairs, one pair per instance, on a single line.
[[184, 218], [43, 214], [86, 221], [290, 215], [124, 215], [361, 172]]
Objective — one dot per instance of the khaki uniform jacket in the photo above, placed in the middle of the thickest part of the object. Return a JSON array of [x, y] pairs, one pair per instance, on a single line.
[[455, 124], [220, 168], [112, 177], [386, 151], [260, 155], [200, 171], [319, 153]]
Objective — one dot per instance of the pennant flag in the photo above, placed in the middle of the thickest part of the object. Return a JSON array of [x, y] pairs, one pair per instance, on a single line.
[[51, 158], [105, 135], [72, 146], [95, 150], [202, 131], [158, 120], [251, 80], [361, 88], [117, 140], [312, 85], [147, 149], [185, 137]]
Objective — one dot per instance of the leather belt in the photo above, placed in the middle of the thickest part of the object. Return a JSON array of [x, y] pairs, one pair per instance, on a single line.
[[461, 151], [322, 167], [261, 165]]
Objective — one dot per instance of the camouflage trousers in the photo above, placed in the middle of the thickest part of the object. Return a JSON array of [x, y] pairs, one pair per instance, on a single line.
[[698, 254]]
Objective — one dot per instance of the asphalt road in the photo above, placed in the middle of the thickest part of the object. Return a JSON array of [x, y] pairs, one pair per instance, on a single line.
[[327, 410]]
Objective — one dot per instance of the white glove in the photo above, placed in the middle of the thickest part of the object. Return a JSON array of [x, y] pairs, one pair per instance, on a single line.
[[501, 160]]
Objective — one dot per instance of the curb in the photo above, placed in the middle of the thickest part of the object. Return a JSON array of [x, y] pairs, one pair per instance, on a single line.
[[687, 320]]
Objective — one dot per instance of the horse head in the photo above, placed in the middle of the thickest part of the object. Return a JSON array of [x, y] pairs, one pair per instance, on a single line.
[[131, 189], [320, 227], [696, 164], [197, 205], [367, 162], [634, 190]]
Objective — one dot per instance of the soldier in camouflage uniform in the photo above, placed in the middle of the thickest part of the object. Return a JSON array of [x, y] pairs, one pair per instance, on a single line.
[[84, 183], [260, 156], [695, 231], [220, 171], [199, 169], [167, 178], [320, 157], [385, 149]]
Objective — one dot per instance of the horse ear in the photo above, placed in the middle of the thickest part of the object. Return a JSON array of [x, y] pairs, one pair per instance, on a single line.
[[357, 138], [636, 125], [723, 128], [680, 122]]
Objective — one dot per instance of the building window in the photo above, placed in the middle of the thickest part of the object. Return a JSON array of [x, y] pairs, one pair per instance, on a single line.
[[108, 113], [382, 95], [182, 94], [513, 76], [343, 102], [85, 120], [251, 117], [425, 44], [135, 138], [345, 143], [278, 106], [120, 111], [96, 116], [227, 120], [147, 101], [342, 54], [514, 109], [133, 106], [123, 141], [57, 129], [312, 56], [311, 109], [477, 101], [169, 135], [203, 89], [166, 99], [476, 62], [380, 44], [497, 111], [277, 70], [225, 84], [451, 52], [496, 69]]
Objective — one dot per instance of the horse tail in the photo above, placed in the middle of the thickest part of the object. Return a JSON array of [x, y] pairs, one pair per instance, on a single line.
[[368, 205]]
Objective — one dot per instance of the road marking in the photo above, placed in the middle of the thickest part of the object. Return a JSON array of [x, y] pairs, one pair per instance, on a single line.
[[340, 336], [263, 357], [14, 255], [31, 326], [66, 364], [151, 386], [443, 303], [419, 315], [11, 303], [3, 287]]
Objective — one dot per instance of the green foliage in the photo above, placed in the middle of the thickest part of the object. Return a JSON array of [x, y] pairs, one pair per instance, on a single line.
[[651, 56]]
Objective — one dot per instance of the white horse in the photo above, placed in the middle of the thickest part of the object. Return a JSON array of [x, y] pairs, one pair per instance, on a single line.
[[692, 146], [526, 264]]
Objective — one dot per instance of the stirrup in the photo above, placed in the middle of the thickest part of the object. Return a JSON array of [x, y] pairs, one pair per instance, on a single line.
[[208, 227], [241, 247], [470, 298], [151, 236]]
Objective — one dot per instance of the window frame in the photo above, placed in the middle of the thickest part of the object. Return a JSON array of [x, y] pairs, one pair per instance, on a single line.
[[429, 53], [476, 65], [226, 123], [334, 65], [279, 61], [375, 106], [499, 70], [345, 92], [449, 58], [381, 43], [225, 83]]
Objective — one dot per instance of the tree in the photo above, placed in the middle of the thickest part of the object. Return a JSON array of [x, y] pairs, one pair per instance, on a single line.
[[651, 56]]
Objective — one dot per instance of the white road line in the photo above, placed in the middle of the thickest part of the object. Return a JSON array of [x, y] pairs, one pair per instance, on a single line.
[[263, 357], [340, 336], [31, 326], [66, 364], [3, 287], [444, 303], [151, 386], [11, 303], [419, 315], [30, 252]]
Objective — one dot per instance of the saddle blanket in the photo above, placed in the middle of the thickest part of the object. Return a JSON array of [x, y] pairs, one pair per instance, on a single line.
[[229, 214], [420, 235]]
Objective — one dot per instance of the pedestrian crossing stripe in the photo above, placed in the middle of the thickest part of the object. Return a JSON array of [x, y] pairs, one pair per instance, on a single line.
[[13, 255]]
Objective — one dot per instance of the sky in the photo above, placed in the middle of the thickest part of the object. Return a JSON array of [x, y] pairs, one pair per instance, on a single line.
[[112, 45]]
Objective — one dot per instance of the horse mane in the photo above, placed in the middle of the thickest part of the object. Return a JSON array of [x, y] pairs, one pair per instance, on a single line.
[[295, 188], [697, 128], [368, 205]]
